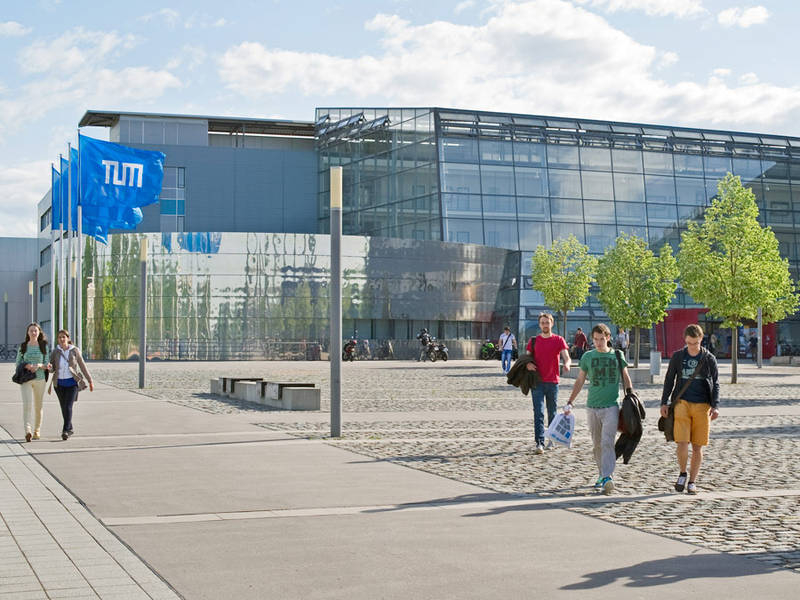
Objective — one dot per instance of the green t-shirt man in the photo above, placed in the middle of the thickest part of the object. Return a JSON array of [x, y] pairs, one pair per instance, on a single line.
[[602, 371]]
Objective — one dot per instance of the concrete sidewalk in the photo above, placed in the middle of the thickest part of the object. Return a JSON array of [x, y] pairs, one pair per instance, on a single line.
[[220, 507]]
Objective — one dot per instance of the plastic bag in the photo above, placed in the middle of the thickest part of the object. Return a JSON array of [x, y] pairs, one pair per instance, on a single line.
[[562, 429]]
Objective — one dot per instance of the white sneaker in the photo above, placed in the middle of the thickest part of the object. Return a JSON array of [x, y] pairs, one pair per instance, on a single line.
[[550, 445], [539, 449]]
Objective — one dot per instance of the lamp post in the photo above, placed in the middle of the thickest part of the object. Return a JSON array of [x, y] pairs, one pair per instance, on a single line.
[[142, 311], [5, 327], [30, 291], [336, 302]]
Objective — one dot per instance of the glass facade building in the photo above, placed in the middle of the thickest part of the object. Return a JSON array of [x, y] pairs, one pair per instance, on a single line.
[[517, 181]]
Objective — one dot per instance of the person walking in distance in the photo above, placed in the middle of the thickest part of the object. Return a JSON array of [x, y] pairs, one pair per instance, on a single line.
[[546, 350], [507, 345], [692, 386], [69, 372], [604, 367], [580, 343], [33, 353], [622, 341]]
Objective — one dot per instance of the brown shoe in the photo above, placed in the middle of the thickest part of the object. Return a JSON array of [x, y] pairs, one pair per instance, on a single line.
[[28, 437]]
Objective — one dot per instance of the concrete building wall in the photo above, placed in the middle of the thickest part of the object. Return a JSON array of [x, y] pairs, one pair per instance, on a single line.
[[16, 270]]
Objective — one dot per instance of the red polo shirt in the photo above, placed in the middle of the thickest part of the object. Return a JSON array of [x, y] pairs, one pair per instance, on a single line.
[[546, 355]]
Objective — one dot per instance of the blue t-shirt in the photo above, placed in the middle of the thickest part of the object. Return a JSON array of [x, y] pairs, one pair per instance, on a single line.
[[697, 392]]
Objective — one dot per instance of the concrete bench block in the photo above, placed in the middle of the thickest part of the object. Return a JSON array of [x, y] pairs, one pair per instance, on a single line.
[[640, 376], [216, 387], [795, 361], [781, 360], [248, 391], [301, 398]]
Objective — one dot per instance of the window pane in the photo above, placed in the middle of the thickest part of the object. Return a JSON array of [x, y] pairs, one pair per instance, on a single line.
[[502, 207], [532, 234], [566, 210], [497, 180], [536, 208], [599, 237], [461, 178], [777, 196], [662, 215], [562, 231], [660, 188], [688, 165], [565, 184], [629, 188], [717, 166], [627, 160], [691, 191], [711, 189], [658, 163], [501, 234], [459, 149], [597, 211], [531, 182], [690, 213], [598, 159], [527, 153], [639, 231], [466, 231], [461, 205], [747, 168], [630, 213], [562, 156], [496, 151], [597, 185]]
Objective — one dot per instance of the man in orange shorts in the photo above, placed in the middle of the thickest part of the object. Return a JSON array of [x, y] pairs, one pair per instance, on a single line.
[[692, 385]]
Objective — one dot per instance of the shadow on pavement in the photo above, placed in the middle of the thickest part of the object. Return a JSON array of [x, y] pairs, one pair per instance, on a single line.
[[672, 570]]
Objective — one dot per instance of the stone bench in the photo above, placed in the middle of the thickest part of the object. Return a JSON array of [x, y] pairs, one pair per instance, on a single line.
[[290, 395], [226, 386]]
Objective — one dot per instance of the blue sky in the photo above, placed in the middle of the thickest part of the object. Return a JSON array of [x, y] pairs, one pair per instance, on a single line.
[[726, 64]]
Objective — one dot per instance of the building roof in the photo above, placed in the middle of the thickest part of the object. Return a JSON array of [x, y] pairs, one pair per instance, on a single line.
[[99, 118]]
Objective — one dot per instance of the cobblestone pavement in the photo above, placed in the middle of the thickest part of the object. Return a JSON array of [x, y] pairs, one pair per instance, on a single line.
[[481, 434]]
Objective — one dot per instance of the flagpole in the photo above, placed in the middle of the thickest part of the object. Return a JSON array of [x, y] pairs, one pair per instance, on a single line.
[[70, 226], [52, 257], [79, 278], [61, 254]]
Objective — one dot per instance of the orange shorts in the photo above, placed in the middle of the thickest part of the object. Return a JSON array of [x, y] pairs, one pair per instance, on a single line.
[[692, 422]]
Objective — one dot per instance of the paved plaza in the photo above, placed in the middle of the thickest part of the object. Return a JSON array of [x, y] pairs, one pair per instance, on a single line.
[[433, 491]]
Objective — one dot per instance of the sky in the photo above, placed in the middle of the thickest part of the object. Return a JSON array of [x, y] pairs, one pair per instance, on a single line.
[[722, 64]]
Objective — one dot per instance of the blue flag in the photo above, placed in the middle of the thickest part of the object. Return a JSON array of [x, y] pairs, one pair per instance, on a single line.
[[56, 209], [61, 197], [113, 175]]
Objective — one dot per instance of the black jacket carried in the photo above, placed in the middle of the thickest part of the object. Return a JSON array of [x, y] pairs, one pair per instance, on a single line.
[[519, 376], [22, 375], [630, 417], [708, 374]]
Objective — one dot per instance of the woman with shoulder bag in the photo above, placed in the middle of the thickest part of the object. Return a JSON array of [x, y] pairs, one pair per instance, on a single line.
[[31, 354], [69, 372]]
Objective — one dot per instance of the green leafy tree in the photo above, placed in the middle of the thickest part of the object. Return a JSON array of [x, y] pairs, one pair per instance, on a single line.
[[563, 274], [732, 265], [636, 286]]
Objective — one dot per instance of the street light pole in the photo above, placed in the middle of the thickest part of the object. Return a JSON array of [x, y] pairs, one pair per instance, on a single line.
[[142, 310], [336, 301], [30, 291]]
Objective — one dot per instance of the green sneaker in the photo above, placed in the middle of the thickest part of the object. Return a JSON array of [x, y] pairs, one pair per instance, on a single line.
[[599, 483], [608, 485]]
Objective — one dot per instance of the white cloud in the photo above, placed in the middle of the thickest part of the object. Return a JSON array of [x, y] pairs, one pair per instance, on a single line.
[[748, 79], [13, 29], [462, 6], [667, 60], [72, 50], [168, 16], [656, 8], [22, 186], [743, 17], [721, 72], [541, 57], [189, 57]]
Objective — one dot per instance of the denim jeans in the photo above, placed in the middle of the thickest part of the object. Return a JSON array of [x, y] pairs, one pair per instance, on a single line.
[[506, 360], [542, 391], [66, 398]]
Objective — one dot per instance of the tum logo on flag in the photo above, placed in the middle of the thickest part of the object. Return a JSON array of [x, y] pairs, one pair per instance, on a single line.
[[126, 174]]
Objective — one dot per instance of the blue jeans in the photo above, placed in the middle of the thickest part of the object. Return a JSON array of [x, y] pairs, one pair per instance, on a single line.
[[541, 392], [506, 360]]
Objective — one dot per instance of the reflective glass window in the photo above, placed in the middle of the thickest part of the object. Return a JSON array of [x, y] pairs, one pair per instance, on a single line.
[[500, 207], [562, 231], [562, 209], [630, 213], [596, 159], [563, 156], [779, 170], [660, 188], [496, 179], [496, 151], [639, 231], [463, 178], [534, 208], [465, 231], [597, 185], [627, 160], [458, 149], [712, 186], [658, 163], [600, 237], [662, 215], [690, 191], [461, 205], [533, 233], [794, 172], [777, 196], [778, 217], [565, 184], [501, 234], [747, 168], [531, 182], [598, 211], [717, 166], [529, 153], [628, 188], [688, 165], [796, 196], [690, 213]]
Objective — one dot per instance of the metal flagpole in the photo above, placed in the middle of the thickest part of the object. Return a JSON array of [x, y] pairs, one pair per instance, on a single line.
[[62, 323], [70, 313], [336, 301], [52, 258], [79, 277]]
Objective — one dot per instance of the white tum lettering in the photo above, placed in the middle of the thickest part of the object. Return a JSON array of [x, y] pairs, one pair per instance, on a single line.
[[126, 174]]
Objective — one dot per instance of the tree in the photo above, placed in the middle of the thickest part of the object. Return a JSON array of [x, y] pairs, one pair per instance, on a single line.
[[732, 265], [563, 275], [636, 286]]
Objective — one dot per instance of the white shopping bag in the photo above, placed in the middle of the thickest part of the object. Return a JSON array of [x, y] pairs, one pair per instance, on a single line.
[[562, 429]]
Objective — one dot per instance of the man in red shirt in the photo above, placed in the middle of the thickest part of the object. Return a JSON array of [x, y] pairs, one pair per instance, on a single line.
[[546, 351], [580, 343]]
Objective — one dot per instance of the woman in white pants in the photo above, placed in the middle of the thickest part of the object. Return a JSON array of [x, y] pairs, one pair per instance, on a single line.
[[33, 352]]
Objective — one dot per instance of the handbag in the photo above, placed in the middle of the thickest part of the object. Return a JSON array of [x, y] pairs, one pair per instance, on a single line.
[[22, 375], [667, 424]]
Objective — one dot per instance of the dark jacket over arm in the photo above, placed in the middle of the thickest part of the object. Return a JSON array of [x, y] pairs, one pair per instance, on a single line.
[[519, 376]]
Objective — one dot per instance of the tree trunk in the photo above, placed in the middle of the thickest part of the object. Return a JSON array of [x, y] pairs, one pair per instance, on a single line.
[[734, 352], [564, 334], [636, 336]]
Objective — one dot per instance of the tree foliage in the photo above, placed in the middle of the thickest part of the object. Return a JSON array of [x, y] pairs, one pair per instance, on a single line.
[[733, 266], [636, 286], [563, 275]]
